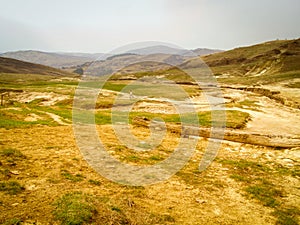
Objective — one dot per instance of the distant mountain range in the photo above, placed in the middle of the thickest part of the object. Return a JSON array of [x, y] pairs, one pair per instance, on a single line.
[[57, 60], [161, 49], [270, 61], [63, 59]]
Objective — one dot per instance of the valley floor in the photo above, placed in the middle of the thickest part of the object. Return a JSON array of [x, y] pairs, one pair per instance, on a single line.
[[44, 178]]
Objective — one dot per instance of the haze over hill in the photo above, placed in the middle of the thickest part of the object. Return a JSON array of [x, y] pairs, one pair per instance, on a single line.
[[70, 59], [57, 60], [173, 51]]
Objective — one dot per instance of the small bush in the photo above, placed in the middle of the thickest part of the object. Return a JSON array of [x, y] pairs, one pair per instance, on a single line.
[[74, 209]]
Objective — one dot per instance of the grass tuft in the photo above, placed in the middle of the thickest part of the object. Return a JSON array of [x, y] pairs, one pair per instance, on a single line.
[[266, 194], [74, 178], [13, 221], [11, 152], [287, 216], [95, 182], [11, 187], [74, 208]]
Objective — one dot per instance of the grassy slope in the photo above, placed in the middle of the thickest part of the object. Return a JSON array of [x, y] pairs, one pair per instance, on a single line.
[[273, 61], [13, 66], [264, 63]]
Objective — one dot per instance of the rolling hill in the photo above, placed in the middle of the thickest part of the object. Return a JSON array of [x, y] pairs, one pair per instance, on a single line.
[[161, 49], [280, 56], [57, 60], [13, 66], [71, 60]]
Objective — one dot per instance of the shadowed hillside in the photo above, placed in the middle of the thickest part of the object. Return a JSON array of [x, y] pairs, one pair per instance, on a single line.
[[14, 66]]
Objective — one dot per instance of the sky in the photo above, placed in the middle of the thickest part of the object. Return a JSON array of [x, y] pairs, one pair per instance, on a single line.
[[102, 25]]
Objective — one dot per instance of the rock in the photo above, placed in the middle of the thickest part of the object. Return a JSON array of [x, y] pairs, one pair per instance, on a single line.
[[31, 187], [200, 201], [15, 204], [14, 172], [288, 160]]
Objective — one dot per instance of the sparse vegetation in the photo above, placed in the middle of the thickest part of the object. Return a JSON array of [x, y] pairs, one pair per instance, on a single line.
[[95, 182], [12, 153], [13, 221], [11, 187], [74, 209], [74, 178], [257, 185]]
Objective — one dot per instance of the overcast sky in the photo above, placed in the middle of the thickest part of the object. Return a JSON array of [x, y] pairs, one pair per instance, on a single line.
[[101, 26]]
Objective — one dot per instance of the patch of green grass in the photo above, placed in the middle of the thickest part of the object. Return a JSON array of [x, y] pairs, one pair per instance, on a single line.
[[266, 194], [11, 187], [5, 172], [231, 119], [74, 208], [11, 152], [16, 119], [244, 166], [13, 221], [155, 158], [255, 178], [132, 158], [241, 178], [284, 171], [287, 216], [236, 119], [74, 178], [113, 86], [95, 182]]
